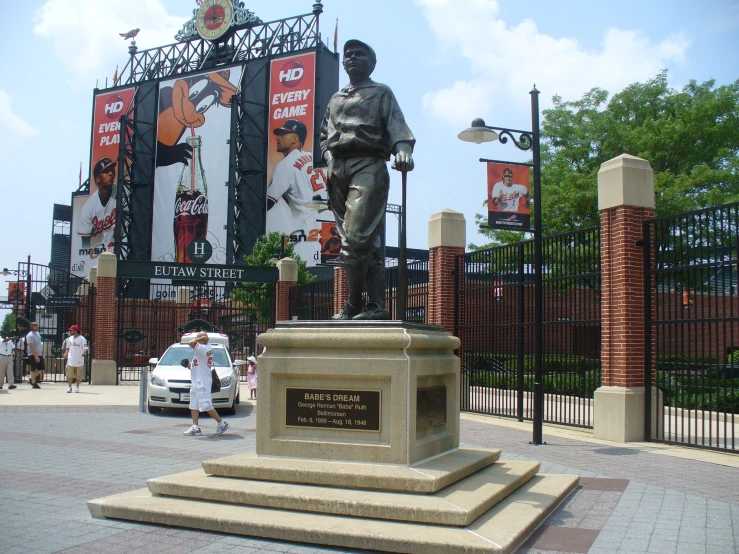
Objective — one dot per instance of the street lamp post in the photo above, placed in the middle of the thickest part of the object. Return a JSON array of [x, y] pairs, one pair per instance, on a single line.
[[525, 140]]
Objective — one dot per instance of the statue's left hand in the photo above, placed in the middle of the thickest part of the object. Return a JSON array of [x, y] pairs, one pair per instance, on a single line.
[[403, 159]]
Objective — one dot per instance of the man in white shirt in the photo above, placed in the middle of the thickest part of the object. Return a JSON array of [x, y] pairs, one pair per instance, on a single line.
[[76, 348], [507, 195], [291, 181], [35, 354], [201, 379], [6, 360]]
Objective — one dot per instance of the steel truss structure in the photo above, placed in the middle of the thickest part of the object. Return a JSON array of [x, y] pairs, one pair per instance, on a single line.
[[269, 39]]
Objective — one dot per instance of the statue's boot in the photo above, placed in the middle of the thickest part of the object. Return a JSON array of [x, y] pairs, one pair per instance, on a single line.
[[356, 271], [376, 291]]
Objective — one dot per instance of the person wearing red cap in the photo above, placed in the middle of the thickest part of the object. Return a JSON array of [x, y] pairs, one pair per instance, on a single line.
[[76, 348]]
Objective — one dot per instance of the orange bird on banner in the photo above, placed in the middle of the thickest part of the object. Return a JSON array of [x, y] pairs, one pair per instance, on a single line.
[[130, 34]]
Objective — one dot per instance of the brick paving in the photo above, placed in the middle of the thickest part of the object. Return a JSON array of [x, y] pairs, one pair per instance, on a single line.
[[54, 459]]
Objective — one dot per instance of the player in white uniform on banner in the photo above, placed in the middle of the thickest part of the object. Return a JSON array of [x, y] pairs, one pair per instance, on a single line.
[[291, 180], [506, 194], [97, 216]]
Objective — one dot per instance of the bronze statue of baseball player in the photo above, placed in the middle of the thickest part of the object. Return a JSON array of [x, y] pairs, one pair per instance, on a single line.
[[363, 125]]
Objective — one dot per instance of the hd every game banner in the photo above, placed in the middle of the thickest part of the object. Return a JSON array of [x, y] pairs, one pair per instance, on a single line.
[[296, 192]]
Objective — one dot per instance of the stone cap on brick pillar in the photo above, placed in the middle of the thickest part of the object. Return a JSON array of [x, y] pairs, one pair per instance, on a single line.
[[288, 269], [93, 275], [107, 265], [625, 181], [447, 228]]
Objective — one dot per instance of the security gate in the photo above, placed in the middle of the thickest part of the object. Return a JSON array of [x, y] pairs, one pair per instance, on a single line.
[[56, 300], [692, 317], [494, 313], [152, 316]]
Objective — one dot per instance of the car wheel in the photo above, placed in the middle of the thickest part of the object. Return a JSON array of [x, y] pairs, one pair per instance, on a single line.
[[238, 397], [154, 409]]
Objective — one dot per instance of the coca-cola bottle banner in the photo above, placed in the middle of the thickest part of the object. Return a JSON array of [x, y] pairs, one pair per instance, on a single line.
[[296, 192], [192, 161], [93, 216]]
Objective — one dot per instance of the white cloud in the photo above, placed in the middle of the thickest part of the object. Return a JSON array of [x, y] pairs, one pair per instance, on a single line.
[[85, 37], [12, 125], [507, 60]]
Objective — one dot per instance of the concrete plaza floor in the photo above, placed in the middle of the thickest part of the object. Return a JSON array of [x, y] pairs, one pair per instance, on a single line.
[[59, 450]]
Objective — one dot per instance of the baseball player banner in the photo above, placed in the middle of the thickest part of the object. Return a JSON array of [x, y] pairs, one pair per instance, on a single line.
[[508, 196], [94, 216], [330, 244], [194, 122], [296, 193]]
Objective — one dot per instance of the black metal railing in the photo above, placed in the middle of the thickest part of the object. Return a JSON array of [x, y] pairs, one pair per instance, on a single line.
[[312, 301], [416, 307], [152, 316], [494, 315], [267, 39], [692, 317], [54, 299]]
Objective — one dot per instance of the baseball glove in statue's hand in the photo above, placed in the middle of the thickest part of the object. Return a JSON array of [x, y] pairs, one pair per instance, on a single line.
[[170, 155]]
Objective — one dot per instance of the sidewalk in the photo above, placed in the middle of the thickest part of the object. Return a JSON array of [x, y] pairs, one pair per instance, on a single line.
[[58, 450]]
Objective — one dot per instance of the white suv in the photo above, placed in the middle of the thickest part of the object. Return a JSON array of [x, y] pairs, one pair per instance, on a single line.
[[169, 383]]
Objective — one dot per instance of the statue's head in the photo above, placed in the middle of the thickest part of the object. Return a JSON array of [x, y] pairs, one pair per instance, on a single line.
[[359, 59]]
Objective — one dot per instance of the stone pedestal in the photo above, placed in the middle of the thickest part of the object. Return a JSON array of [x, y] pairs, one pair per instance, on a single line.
[[373, 392], [357, 447]]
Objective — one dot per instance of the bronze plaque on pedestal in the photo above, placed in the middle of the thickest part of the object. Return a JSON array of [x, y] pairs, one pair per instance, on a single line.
[[430, 407], [354, 410]]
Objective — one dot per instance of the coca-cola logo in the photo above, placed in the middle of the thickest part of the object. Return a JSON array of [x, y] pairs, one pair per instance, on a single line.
[[194, 206], [100, 225]]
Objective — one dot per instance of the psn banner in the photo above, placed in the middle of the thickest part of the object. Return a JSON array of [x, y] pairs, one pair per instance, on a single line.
[[93, 216], [508, 196], [296, 195]]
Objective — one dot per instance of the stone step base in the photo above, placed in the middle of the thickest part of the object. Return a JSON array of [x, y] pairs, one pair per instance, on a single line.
[[458, 504], [501, 529], [424, 477]]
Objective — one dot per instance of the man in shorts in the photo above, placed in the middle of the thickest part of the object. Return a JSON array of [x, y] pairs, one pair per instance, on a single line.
[[75, 350], [35, 354], [201, 379]]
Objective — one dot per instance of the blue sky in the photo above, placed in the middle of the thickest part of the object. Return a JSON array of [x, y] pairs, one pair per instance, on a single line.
[[447, 61]]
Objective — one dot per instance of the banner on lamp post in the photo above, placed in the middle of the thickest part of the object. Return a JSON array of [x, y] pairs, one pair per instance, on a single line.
[[509, 196]]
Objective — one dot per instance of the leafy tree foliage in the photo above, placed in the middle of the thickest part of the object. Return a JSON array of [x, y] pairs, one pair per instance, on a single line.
[[258, 298], [8, 323], [690, 137]]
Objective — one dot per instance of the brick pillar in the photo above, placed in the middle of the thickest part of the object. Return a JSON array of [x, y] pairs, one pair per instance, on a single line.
[[104, 369], [341, 288], [447, 238], [625, 200], [288, 269]]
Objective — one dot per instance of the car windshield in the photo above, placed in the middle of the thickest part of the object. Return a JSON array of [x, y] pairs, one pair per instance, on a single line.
[[176, 353]]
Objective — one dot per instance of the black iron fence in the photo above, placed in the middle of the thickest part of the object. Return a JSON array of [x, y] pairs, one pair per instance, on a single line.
[[54, 299], [151, 317], [495, 323], [692, 316], [416, 309], [312, 301]]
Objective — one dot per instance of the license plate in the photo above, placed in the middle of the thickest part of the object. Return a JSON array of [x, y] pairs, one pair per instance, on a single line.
[[185, 396]]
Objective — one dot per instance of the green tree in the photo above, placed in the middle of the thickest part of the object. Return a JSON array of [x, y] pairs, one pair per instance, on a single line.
[[8, 323], [258, 298], [690, 137]]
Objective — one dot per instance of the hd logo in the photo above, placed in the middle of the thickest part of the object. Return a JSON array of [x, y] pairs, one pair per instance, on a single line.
[[292, 73]]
